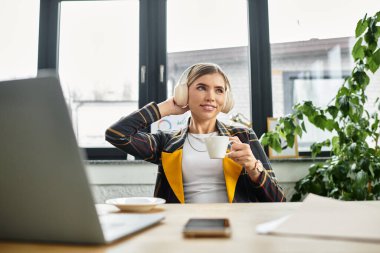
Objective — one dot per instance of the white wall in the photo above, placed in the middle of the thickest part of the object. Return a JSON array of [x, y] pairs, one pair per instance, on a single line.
[[111, 179]]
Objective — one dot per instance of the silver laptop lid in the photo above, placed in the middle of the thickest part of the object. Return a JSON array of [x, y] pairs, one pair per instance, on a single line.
[[44, 191]]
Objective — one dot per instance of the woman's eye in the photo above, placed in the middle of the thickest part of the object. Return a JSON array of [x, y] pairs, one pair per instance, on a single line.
[[201, 88], [220, 91]]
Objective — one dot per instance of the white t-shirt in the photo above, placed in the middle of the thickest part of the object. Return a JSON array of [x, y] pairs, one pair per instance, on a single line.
[[203, 178]]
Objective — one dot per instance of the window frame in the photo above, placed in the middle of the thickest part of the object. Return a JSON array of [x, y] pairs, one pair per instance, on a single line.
[[152, 59]]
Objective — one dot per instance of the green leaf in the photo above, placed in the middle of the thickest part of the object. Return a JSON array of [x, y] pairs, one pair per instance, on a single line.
[[361, 78], [376, 189], [372, 65], [296, 197], [353, 167], [331, 125], [303, 185], [371, 46], [264, 139], [317, 147], [276, 144], [376, 169], [353, 151], [299, 116], [289, 125], [375, 124], [361, 27], [346, 196], [334, 192], [370, 39], [335, 145], [343, 104], [376, 57], [271, 139], [361, 179], [371, 170], [355, 111], [316, 188], [343, 91], [303, 127], [290, 140], [350, 130], [313, 168], [298, 131], [358, 50], [320, 121], [333, 111], [308, 109]]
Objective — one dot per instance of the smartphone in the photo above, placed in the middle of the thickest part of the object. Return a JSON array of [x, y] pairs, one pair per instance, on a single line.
[[196, 227]]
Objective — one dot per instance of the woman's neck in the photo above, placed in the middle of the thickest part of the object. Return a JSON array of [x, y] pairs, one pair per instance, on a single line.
[[202, 127]]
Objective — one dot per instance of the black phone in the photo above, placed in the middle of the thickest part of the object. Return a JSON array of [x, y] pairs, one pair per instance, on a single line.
[[206, 227]]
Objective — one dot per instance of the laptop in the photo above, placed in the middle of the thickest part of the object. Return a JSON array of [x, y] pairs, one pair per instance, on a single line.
[[44, 190]]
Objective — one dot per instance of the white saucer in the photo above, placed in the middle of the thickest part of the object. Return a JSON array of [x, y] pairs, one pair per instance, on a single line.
[[136, 204]]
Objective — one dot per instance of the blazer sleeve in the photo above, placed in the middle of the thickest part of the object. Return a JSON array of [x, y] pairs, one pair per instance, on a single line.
[[267, 188], [126, 134]]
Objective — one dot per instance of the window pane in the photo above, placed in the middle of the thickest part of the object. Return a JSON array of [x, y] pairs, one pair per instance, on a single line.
[[311, 53], [219, 36], [19, 22], [98, 63]]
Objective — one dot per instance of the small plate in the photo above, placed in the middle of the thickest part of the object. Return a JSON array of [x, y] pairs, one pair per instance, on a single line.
[[136, 204]]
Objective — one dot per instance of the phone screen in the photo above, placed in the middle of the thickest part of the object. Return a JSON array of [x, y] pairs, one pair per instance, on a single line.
[[207, 228]]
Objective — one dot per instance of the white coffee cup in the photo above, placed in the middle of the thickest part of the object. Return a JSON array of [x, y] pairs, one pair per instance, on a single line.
[[217, 146]]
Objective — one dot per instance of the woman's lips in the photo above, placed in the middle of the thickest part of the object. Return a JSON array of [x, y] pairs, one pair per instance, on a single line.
[[208, 107]]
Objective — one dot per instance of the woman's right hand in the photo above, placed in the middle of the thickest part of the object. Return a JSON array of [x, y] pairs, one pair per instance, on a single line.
[[169, 107]]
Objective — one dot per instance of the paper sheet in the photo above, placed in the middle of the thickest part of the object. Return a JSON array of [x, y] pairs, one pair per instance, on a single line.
[[329, 218]]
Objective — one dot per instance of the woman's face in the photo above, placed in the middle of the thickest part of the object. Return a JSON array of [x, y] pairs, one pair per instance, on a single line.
[[206, 96]]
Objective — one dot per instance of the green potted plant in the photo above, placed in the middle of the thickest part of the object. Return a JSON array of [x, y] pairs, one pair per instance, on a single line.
[[353, 170]]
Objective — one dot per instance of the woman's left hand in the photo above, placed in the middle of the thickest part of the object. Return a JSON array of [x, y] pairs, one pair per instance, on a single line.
[[241, 153]]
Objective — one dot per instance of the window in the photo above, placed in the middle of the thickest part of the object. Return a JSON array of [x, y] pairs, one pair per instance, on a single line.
[[213, 31], [113, 56], [98, 64], [311, 53], [19, 22]]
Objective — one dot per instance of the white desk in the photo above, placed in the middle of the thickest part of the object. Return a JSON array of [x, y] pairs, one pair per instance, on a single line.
[[167, 236]]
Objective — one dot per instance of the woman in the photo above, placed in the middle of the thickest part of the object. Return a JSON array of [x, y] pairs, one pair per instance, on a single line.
[[185, 172]]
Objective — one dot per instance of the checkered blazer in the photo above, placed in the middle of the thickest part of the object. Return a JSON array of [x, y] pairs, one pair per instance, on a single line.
[[165, 150]]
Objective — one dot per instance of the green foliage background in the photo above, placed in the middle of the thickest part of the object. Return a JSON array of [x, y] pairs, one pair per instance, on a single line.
[[353, 170]]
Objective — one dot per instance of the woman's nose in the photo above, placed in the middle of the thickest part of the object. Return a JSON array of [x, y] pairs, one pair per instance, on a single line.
[[210, 96]]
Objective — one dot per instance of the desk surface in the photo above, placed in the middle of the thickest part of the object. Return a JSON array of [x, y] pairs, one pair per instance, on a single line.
[[167, 236]]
